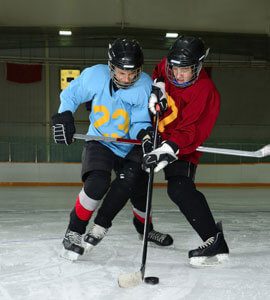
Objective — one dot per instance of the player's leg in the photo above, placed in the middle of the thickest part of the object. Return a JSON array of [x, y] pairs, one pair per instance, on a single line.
[[97, 162], [192, 203], [138, 200], [119, 193]]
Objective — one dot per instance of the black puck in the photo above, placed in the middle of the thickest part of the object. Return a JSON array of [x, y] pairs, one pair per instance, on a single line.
[[151, 280]]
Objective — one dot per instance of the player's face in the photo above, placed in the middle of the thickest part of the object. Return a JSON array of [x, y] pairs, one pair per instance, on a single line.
[[182, 74], [125, 76]]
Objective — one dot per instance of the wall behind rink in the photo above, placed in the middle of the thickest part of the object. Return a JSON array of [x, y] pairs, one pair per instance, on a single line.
[[26, 109], [69, 174], [244, 91]]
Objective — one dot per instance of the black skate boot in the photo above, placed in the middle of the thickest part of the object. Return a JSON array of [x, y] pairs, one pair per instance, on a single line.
[[72, 243], [158, 238], [94, 236], [213, 251]]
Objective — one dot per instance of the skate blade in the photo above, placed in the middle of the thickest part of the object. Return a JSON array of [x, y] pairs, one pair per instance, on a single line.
[[154, 245], [205, 261], [69, 255]]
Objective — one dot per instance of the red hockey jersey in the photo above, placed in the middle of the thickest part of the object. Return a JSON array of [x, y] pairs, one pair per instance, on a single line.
[[191, 114]]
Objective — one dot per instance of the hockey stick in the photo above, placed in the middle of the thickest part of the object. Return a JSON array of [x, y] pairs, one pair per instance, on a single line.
[[263, 152], [135, 278], [86, 137]]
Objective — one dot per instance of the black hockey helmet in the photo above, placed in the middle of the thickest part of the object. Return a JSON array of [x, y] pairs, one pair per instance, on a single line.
[[125, 54], [187, 51]]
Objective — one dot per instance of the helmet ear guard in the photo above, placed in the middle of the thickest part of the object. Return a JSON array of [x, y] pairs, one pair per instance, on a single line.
[[206, 53]]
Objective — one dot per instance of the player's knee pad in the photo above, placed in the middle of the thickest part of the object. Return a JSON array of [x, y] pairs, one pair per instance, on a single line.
[[184, 194], [127, 178], [180, 189], [97, 183]]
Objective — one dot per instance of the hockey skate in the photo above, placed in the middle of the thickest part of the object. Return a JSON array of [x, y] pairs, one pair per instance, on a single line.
[[94, 236], [158, 238], [212, 252], [72, 245]]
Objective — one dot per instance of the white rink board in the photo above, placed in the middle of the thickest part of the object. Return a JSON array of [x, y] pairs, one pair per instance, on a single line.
[[70, 172]]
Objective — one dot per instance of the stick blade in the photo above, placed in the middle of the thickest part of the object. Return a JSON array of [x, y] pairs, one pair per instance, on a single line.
[[266, 150], [130, 279]]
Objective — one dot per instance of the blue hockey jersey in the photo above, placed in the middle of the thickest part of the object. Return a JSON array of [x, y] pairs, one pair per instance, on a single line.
[[122, 113]]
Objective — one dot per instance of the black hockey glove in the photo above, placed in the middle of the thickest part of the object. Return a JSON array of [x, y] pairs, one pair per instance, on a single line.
[[161, 157], [63, 127], [147, 138], [158, 99]]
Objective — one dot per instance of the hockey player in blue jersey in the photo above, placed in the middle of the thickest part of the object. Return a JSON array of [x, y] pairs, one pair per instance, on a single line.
[[119, 94]]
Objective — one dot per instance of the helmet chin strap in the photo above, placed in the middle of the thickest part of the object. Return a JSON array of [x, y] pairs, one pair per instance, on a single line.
[[184, 84], [121, 85]]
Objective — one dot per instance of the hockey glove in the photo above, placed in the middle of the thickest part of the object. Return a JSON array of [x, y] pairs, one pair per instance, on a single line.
[[158, 99], [147, 138], [63, 127], [161, 157]]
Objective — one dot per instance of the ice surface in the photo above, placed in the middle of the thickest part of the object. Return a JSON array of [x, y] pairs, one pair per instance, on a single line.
[[33, 221]]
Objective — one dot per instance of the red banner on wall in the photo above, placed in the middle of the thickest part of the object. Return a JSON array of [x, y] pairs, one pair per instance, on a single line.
[[22, 73]]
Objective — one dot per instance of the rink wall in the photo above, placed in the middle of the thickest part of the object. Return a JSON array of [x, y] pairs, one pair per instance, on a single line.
[[69, 174]]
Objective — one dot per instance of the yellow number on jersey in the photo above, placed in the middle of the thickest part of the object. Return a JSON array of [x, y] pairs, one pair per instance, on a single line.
[[106, 115], [122, 113], [106, 118], [171, 117]]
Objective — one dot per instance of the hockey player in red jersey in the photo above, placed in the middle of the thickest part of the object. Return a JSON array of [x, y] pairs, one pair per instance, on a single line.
[[190, 104]]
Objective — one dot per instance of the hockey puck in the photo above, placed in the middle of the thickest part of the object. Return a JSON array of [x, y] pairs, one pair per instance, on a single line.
[[151, 280]]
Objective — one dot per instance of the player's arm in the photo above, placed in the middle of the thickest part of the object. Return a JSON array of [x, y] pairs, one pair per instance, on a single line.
[[158, 97], [63, 126], [197, 121], [140, 121], [187, 136]]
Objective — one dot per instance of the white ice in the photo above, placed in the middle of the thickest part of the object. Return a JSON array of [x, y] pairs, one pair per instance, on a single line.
[[33, 221]]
